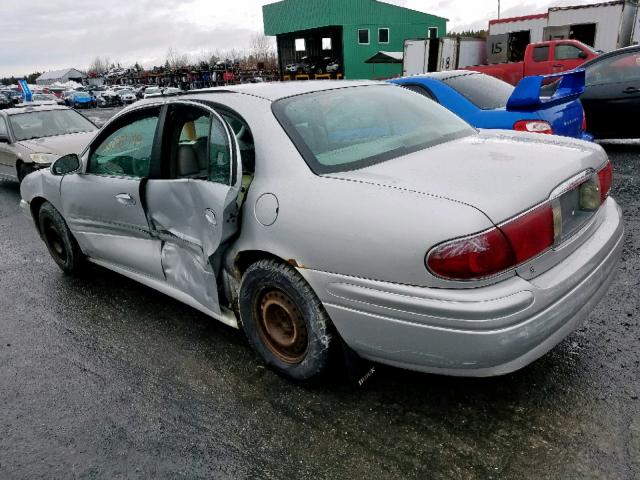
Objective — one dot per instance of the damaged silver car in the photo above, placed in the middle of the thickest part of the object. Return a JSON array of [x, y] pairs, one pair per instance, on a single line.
[[305, 213]]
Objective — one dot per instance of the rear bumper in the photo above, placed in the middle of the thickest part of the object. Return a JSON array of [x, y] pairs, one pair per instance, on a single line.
[[479, 332]]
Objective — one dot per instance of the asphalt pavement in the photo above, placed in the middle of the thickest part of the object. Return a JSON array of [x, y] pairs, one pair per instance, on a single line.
[[101, 377]]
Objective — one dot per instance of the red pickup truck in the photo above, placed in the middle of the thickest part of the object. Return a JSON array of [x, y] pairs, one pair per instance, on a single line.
[[542, 58]]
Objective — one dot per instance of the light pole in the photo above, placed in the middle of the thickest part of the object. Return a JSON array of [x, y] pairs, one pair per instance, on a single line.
[[498, 9]]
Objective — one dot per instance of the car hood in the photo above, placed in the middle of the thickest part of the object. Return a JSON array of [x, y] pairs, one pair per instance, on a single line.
[[60, 144], [501, 173]]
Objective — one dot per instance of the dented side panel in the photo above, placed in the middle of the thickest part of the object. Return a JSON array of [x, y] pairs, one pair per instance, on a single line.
[[192, 218]]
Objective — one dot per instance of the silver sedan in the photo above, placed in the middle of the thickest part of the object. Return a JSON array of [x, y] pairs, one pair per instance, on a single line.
[[31, 137], [306, 213]]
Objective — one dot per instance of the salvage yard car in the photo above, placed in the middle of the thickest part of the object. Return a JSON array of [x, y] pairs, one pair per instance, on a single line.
[[31, 137], [486, 102], [612, 96], [392, 224]]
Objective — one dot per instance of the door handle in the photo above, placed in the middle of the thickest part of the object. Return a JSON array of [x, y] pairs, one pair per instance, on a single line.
[[126, 199], [631, 90]]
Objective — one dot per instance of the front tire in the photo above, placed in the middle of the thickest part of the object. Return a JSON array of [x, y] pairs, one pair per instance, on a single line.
[[22, 170], [62, 246], [285, 321]]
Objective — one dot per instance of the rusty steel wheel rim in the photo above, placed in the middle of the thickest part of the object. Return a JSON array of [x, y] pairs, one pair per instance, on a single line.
[[282, 327]]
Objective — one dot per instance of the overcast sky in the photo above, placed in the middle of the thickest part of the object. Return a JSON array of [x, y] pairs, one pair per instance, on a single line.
[[41, 35]]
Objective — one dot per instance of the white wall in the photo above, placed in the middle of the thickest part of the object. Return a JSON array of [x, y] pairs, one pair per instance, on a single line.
[[608, 19], [536, 26]]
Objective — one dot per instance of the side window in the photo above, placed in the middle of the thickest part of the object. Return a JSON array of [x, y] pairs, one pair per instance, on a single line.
[[202, 150], [567, 52], [620, 68], [3, 128], [541, 54], [244, 137], [421, 90], [127, 151], [383, 35], [219, 154], [363, 36]]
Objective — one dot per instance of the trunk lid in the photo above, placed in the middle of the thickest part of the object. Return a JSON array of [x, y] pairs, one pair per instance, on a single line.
[[501, 173]]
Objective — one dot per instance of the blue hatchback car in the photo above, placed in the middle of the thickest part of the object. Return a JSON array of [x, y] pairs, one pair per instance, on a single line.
[[539, 104]]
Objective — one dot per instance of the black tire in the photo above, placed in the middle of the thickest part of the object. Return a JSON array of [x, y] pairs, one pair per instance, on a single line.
[[285, 322], [63, 247], [22, 170]]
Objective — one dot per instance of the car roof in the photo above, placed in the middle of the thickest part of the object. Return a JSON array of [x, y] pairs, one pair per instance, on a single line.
[[273, 91], [613, 53], [33, 108], [442, 76]]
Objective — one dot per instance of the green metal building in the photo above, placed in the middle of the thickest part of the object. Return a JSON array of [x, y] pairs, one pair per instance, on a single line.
[[350, 31]]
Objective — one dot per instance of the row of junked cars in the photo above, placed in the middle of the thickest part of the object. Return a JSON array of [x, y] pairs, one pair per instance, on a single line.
[[87, 97], [323, 216]]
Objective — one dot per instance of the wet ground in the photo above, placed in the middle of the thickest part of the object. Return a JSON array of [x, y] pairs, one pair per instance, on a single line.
[[103, 378]]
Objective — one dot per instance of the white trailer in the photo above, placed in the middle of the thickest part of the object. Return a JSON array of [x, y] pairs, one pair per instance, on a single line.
[[440, 54], [416, 57], [605, 26], [531, 25]]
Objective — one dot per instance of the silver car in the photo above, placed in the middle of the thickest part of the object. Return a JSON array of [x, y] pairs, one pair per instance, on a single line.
[[31, 137], [311, 212]]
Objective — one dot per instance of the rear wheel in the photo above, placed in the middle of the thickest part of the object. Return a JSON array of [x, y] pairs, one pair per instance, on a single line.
[[62, 246], [285, 322]]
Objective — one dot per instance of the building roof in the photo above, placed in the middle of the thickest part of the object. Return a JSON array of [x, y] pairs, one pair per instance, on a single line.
[[591, 5], [57, 74], [386, 57], [289, 16], [519, 19], [557, 9]]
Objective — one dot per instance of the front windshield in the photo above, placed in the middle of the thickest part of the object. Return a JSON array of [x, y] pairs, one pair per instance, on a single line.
[[48, 123], [350, 128], [42, 97]]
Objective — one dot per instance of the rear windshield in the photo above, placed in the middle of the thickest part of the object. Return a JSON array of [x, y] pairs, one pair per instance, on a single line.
[[485, 92], [350, 128]]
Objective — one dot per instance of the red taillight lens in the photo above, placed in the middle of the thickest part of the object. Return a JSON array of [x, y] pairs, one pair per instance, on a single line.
[[479, 256], [532, 233], [584, 121], [496, 250], [533, 126], [606, 180]]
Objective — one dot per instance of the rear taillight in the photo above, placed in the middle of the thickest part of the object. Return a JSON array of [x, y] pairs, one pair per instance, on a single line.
[[525, 236], [605, 175], [478, 256], [533, 126], [532, 233]]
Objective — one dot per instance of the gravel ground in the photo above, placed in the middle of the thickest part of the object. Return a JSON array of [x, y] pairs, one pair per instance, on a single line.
[[103, 378]]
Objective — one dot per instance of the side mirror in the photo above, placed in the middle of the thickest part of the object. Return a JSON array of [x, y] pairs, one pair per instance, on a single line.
[[4, 138], [583, 55], [67, 164]]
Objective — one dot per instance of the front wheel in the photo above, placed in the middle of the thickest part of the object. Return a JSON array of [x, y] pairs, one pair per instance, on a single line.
[[22, 170], [285, 322], [62, 246]]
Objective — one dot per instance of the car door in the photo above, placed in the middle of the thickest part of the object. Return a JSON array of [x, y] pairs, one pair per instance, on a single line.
[[103, 205], [7, 153], [612, 97], [194, 208], [567, 57], [540, 62]]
